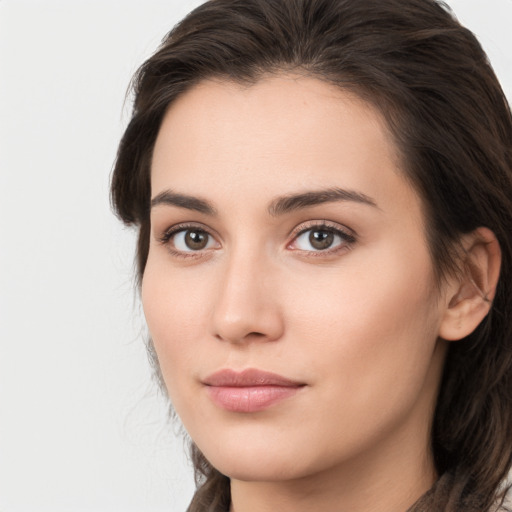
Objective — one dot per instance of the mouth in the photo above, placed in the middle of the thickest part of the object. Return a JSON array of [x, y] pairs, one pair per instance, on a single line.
[[250, 390]]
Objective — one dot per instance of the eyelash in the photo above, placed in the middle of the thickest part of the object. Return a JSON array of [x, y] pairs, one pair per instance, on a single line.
[[347, 237], [165, 239]]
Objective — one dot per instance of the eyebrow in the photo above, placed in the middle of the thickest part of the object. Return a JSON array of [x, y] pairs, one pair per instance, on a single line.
[[293, 202], [277, 207], [183, 201]]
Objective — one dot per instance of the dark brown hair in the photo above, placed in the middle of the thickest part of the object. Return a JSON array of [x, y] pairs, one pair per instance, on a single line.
[[431, 80]]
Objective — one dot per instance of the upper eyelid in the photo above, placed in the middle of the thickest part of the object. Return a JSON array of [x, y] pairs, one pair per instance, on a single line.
[[165, 239], [308, 225], [348, 235], [181, 226], [293, 234]]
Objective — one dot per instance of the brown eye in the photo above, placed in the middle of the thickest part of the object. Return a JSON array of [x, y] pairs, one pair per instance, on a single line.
[[191, 240], [196, 240], [321, 239]]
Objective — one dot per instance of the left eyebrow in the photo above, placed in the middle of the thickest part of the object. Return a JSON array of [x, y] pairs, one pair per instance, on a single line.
[[292, 202]]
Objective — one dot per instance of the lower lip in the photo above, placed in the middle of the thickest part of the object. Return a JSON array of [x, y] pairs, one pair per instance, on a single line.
[[250, 398]]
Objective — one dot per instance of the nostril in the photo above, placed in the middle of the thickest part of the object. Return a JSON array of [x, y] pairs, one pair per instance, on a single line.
[[243, 321], [256, 334], [253, 335]]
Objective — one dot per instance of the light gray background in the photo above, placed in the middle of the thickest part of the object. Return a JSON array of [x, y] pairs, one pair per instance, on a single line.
[[82, 427]]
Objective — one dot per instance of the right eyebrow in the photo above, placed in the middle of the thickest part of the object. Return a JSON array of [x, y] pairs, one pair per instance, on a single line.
[[167, 197]]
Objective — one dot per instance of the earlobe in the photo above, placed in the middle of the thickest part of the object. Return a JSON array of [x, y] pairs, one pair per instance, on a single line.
[[472, 291]]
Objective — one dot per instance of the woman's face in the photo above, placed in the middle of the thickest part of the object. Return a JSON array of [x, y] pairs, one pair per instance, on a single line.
[[289, 290]]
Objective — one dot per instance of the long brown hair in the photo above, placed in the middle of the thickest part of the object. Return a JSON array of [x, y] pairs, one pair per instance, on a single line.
[[431, 79]]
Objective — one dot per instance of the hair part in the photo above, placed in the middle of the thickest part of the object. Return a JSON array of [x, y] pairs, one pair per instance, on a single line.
[[451, 122]]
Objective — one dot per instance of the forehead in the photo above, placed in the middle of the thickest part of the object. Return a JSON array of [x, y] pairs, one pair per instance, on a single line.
[[280, 123], [241, 147]]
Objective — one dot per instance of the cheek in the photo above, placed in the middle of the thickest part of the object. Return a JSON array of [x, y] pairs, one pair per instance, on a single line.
[[371, 316], [361, 333], [175, 314]]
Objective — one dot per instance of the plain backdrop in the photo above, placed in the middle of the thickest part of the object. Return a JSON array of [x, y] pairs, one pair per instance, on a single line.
[[82, 425]]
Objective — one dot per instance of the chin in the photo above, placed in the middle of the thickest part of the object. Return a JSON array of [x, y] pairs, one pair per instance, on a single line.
[[269, 460], [265, 469]]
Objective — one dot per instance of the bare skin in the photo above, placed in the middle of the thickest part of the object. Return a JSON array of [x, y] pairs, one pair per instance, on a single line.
[[333, 290]]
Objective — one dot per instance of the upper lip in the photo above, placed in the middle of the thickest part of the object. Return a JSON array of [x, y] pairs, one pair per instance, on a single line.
[[248, 378]]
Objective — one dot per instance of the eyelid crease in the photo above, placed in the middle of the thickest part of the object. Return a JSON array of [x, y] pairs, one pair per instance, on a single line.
[[183, 226], [192, 255], [319, 224], [348, 236]]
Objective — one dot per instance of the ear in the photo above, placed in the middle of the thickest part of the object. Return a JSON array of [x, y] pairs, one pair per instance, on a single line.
[[470, 294]]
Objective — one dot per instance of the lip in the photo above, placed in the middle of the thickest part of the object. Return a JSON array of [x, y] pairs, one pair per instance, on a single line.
[[250, 390]]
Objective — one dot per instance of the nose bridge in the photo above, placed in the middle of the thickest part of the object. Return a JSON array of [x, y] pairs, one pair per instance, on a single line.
[[247, 303]]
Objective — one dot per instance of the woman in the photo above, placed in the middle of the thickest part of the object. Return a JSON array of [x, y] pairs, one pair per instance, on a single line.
[[323, 195]]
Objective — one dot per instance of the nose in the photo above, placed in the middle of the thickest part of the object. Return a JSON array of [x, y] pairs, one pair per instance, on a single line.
[[247, 306]]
